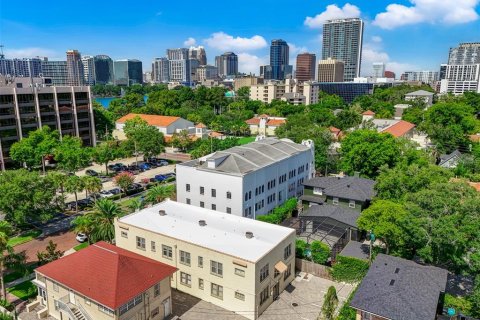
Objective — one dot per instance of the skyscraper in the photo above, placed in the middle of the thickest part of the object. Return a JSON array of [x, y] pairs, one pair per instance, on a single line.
[[88, 70], [330, 70], [305, 70], [179, 65], [160, 70], [103, 69], [378, 69], [127, 72], [342, 40], [56, 70], [465, 53], [25, 67], [279, 59], [74, 68], [227, 64], [198, 53]]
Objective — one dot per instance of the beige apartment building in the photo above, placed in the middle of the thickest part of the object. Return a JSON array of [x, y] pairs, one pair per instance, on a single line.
[[236, 263], [103, 282], [246, 81], [274, 90], [330, 70]]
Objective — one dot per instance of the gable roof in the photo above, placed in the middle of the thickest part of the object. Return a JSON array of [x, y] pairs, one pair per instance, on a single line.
[[107, 274], [271, 121], [369, 113], [400, 289], [346, 187], [338, 213], [444, 158], [275, 122], [399, 129], [420, 93], [153, 120]]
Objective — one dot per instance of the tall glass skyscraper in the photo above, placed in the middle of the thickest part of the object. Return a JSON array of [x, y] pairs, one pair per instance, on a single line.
[[279, 59], [227, 64], [343, 40], [128, 72], [103, 69]]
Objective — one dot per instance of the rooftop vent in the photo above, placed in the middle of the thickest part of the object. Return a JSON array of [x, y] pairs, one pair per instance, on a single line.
[[202, 223], [162, 212], [249, 234], [397, 270], [392, 282]]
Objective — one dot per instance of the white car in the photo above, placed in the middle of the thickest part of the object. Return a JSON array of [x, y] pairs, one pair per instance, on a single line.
[[105, 194], [81, 237]]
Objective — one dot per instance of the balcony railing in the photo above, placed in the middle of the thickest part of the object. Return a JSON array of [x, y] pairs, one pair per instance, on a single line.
[[71, 309]]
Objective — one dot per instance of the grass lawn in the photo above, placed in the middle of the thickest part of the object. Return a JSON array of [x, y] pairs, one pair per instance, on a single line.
[[24, 237], [245, 140], [81, 246], [24, 290], [16, 275]]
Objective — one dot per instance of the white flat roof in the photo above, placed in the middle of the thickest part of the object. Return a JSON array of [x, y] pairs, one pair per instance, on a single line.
[[223, 232]]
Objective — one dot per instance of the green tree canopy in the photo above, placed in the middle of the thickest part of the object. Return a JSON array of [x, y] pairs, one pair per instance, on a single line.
[[71, 155], [147, 139]]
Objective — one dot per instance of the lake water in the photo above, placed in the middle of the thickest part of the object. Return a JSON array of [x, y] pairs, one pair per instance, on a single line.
[[105, 101]]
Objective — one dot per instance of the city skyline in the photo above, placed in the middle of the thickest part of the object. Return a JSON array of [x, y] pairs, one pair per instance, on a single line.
[[390, 31]]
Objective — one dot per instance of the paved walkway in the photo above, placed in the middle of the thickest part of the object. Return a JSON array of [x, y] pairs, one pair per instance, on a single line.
[[64, 240]]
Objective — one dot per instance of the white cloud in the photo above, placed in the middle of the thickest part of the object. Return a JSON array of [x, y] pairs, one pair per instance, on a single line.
[[159, 13], [249, 63], [431, 11], [373, 53], [222, 41], [332, 12], [377, 39], [190, 42], [294, 50], [29, 52]]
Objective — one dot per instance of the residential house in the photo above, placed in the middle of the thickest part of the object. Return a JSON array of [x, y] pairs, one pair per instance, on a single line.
[[236, 263], [400, 289], [264, 125], [397, 128], [450, 160], [425, 96], [103, 282]]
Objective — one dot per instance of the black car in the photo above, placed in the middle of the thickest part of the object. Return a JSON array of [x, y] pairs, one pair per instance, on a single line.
[[91, 173], [115, 191]]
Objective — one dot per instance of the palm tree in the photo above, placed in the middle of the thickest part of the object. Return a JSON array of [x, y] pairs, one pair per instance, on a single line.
[[159, 193], [74, 184], [83, 224], [92, 184], [135, 204], [58, 179], [102, 216]]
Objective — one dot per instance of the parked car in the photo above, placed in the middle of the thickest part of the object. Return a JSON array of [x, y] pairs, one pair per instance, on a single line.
[[70, 205], [92, 173], [152, 164], [115, 191], [162, 162], [81, 237], [160, 177], [105, 194], [144, 166], [82, 204]]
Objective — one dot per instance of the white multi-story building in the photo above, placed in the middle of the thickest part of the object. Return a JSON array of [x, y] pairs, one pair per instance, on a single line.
[[160, 70], [461, 78], [248, 180], [421, 76], [239, 264], [88, 70], [378, 69]]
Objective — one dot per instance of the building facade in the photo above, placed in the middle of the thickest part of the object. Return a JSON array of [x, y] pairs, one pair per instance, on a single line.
[[25, 67], [75, 75], [348, 91], [103, 65], [198, 53], [330, 70], [343, 40], [160, 70], [465, 53], [378, 69], [264, 125], [279, 60], [127, 72], [246, 81], [66, 109], [284, 165], [305, 70], [206, 72], [179, 65], [429, 77], [88, 70], [227, 64], [56, 70], [239, 264], [461, 78]]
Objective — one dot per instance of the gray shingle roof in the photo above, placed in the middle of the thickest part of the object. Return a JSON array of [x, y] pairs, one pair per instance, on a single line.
[[355, 249], [338, 213], [311, 199], [344, 187], [400, 289], [420, 93], [446, 157]]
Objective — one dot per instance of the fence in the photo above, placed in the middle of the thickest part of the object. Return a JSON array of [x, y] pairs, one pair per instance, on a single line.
[[313, 268]]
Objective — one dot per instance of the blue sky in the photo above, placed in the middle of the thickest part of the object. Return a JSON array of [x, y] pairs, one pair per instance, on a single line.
[[405, 34]]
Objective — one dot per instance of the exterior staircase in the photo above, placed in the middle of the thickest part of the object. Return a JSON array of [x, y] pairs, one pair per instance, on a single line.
[[77, 313]]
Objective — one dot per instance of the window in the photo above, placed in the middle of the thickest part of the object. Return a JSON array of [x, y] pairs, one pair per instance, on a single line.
[[287, 252], [156, 290], [216, 291], [87, 301], [288, 272], [318, 191], [185, 257], [276, 273], [214, 206], [229, 210], [107, 310], [264, 272], [187, 187], [167, 252], [202, 204], [214, 193], [335, 200], [188, 201], [246, 196], [141, 243], [229, 195], [153, 247], [264, 295], [200, 262], [200, 284], [124, 234], [127, 306], [155, 312], [351, 203], [185, 279], [55, 287], [202, 190], [366, 315], [216, 268], [240, 272], [239, 296]]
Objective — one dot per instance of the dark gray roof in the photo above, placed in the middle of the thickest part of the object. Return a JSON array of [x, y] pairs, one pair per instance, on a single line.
[[357, 250], [446, 157], [338, 213], [312, 199], [400, 289], [344, 187]]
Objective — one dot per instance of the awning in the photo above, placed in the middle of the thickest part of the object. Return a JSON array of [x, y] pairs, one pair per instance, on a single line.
[[280, 267]]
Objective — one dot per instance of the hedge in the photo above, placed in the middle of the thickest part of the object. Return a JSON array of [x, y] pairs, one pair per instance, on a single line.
[[459, 304], [349, 269], [347, 312], [320, 251], [280, 213]]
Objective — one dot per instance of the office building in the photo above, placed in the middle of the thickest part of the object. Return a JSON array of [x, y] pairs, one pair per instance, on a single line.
[[389, 74], [465, 53], [88, 70], [348, 91], [75, 75], [238, 264], [330, 70], [179, 65], [227, 64], [266, 72], [460, 78], [279, 59], [21, 67], [66, 109], [206, 72], [127, 72], [160, 70], [248, 180], [378, 70], [343, 40], [305, 70], [246, 81], [199, 54], [56, 70], [103, 65], [108, 283], [429, 77]]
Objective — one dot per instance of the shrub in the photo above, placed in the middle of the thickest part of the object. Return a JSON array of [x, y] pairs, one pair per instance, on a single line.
[[330, 303], [4, 316], [7, 305], [349, 269], [300, 247], [347, 312], [459, 304], [280, 213], [320, 252]]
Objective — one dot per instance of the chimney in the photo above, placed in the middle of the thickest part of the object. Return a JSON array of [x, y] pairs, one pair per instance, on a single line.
[[202, 223], [249, 234], [162, 212]]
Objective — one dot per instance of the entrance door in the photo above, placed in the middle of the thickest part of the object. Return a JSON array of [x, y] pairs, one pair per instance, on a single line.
[[276, 291], [42, 294], [72, 297], [166, 307]]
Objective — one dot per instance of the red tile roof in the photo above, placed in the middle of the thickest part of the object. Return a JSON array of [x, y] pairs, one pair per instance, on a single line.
[[107, 274], [200, 125], [400, 128], [275, 122], [215, 134], [153, 120], [334, 130], [254, 121], [369, 113]]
